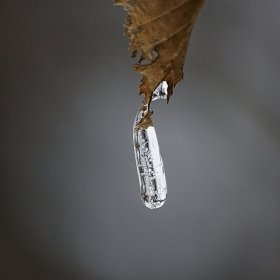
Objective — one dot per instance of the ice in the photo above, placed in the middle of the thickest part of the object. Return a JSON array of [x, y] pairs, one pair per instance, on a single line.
[[149, 164]]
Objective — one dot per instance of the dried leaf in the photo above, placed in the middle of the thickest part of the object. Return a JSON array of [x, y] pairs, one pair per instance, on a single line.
[[163, 26]]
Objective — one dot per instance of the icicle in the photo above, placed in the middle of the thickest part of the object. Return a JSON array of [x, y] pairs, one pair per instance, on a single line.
[[151, 173]]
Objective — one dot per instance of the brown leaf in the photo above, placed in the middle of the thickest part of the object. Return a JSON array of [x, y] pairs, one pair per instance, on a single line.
[[163, 26]]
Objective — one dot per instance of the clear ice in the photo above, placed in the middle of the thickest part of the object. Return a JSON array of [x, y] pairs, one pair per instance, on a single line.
[[149, 164]]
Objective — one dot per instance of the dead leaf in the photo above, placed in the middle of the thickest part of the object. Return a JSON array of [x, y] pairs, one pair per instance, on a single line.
[[163, 26]]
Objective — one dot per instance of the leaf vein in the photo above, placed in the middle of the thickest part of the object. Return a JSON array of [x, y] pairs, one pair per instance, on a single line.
[[161, 15]]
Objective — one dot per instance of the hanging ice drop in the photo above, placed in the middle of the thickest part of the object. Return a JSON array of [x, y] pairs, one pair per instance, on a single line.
[[150, 169]]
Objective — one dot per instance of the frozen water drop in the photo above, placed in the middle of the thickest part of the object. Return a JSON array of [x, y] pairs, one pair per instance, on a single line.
[[160, 92], [149, 164]]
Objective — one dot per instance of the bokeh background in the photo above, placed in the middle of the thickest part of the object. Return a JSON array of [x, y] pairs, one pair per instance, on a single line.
[[70, 202]]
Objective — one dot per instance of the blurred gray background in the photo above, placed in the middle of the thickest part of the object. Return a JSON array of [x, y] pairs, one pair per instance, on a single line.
[[70, 202]]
